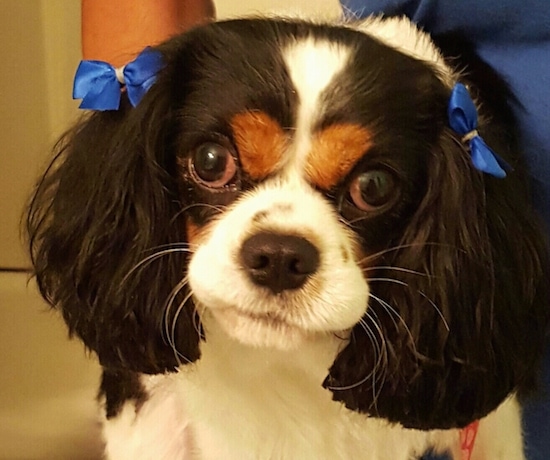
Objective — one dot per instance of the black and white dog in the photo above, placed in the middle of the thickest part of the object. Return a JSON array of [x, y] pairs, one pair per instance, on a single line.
[[288, 250]]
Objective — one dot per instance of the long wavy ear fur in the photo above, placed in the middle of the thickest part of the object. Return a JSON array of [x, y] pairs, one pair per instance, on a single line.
[[464, 323], [110, 199], [473, 299]]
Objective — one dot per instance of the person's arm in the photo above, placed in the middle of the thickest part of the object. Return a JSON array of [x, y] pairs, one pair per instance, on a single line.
[[115, 30]]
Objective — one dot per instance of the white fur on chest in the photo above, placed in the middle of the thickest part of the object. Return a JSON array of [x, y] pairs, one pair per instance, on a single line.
[[243, 403], [251, 404]]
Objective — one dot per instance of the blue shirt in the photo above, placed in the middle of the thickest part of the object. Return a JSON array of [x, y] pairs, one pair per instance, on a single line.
[[513, 36]]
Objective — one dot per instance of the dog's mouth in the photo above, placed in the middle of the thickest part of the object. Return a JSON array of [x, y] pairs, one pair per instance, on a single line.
[[270, 319], [261, 329]]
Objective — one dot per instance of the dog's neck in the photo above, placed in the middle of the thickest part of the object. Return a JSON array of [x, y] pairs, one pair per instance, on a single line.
[[230, 359], [237, 393]]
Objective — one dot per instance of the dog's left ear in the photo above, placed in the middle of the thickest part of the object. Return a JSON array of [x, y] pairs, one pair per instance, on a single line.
[[463, 322], [109, 201]]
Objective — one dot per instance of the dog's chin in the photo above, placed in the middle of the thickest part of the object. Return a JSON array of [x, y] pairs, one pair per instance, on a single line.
[[262, 330]]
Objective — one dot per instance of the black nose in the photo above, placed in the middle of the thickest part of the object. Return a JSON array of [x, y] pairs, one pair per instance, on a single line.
[[279, 262]]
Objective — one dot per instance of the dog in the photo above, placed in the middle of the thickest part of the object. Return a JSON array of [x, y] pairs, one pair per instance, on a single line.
[[285, 248]]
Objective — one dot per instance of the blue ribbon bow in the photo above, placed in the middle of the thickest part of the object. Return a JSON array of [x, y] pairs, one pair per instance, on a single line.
[[462, 115], [99, 84]]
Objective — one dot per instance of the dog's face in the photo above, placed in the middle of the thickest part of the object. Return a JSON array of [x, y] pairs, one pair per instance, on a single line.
[[291, 181], [300, 174]]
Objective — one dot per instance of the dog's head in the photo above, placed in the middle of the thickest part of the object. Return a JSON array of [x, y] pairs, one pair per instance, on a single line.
[[293, 181]]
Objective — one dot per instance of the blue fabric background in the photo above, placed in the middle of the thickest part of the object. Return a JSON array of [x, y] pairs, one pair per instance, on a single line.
[[514, 37]]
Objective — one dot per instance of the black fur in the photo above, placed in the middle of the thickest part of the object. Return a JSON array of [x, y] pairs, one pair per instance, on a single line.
[[118, 386], [475, 255], [481, 260]]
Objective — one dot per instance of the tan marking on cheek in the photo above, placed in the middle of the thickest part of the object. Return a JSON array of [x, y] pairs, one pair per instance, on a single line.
[[195, 233], [261, 143], [334, 153]]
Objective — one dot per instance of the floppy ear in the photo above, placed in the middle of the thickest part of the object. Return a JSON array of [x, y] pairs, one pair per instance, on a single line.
[[108, 201], [463, 323]]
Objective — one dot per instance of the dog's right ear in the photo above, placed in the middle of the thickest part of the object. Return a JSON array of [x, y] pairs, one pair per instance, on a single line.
[[101, 216]]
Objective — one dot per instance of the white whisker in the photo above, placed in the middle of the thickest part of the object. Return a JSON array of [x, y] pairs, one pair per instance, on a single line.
[[382, 376], [168, 306], [406, 246], [437, 309], [380, 351], [390, 280], [217, 208], [402, 283], [392, 268], [172, 338], [157, 255], [392, 311]]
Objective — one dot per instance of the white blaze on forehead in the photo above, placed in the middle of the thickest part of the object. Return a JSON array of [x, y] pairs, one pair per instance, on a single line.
[[312, 65], [404, 36]]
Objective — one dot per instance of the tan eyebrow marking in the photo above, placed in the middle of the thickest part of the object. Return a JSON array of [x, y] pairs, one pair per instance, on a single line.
[[261, 143], [334, 152]]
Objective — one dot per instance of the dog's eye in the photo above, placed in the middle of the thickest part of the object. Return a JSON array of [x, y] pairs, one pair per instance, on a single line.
[[213, 165], [372, 189]]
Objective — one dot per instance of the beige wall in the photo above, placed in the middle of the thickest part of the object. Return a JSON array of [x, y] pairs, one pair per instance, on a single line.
[[323, 8], [40, 49]]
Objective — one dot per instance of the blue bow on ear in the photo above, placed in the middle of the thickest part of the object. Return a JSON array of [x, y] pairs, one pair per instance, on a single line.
[[462, 115], [99, 84]]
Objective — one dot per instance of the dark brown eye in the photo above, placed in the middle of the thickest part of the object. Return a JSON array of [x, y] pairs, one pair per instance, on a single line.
[[213, 165], [372, 189]]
